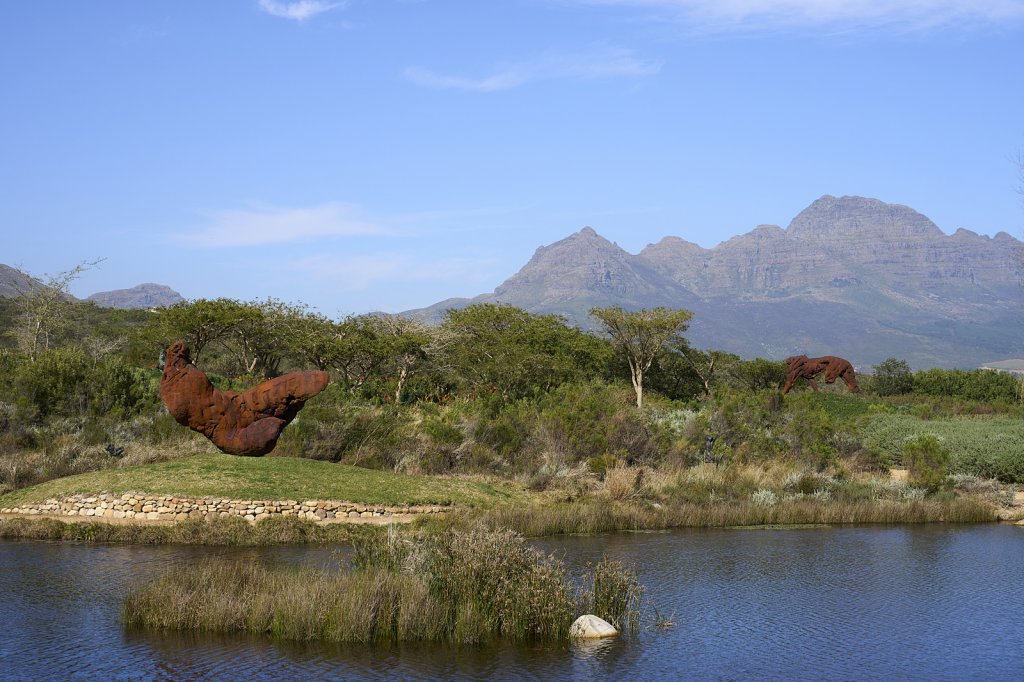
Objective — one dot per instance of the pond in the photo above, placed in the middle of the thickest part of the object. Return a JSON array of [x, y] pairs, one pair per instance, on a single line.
[[905, 602]]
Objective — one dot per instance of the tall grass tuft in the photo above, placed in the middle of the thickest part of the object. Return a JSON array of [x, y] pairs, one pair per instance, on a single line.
[[612, 592], [455, 586]]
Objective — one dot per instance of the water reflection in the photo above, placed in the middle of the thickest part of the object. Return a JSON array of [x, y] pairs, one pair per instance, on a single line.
[[927, 602]]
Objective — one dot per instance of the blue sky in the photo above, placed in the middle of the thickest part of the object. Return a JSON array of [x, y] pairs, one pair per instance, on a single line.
[[387, 154]]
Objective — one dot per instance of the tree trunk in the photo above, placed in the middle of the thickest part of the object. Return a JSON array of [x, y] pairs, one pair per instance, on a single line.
[[638, 386], [402, 374]]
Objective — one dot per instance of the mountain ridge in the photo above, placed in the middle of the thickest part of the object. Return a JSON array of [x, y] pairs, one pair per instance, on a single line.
[[849, 275]]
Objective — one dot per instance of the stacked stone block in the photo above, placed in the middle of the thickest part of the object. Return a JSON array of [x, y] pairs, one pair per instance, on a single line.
[[169, 508]]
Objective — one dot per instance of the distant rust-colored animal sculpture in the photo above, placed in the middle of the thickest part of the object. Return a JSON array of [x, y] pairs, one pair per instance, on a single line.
[[247, 423], [801, 366]]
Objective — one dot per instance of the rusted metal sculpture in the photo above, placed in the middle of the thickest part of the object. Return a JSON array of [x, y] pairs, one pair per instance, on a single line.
[[247, 423], [801, 366]]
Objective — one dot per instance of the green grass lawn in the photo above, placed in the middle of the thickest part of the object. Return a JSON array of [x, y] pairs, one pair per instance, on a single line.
[[269, 478]]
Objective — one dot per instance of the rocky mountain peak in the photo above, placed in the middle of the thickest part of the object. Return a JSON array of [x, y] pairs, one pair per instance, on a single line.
[[768, 232], [580, 247], [834, 218], [670, 245], [147, 295]]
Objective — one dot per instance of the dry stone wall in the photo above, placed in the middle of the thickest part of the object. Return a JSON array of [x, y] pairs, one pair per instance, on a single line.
[[168, 508]]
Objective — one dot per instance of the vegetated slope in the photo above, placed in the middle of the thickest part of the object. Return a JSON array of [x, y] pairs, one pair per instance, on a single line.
[[147, 295], [850, 276]]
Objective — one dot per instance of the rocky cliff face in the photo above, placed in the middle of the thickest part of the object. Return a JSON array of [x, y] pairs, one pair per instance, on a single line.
[[141, 296], [849, 276]]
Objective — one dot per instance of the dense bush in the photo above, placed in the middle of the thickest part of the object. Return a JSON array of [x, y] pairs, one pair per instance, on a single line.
[[594, 418], [987, 447], [64, 382], [892, 377], [978, 384], [341, 427], [765, 424], [927, 461]]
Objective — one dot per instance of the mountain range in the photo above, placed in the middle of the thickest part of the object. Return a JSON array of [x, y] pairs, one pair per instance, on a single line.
[[849, 276], [14, 282]]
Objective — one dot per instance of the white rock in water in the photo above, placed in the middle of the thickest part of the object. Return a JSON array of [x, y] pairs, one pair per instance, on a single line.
[[592, 626]]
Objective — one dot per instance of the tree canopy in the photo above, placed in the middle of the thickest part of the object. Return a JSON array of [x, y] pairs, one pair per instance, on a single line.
[[503, 349], [641, 335]]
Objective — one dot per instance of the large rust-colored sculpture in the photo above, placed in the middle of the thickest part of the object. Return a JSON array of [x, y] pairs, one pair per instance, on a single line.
[[246, 423], [808, 368]]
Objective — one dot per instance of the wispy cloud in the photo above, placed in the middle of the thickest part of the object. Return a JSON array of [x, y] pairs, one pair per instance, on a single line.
[[592, 64], [298, 11], [775, 14], [271, 225]]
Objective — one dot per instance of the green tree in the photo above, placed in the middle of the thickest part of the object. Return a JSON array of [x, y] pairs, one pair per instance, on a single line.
[[408, 347], [892, 377], [198, 323], [760, 374], [515, 353], [641, 335], [360, 352], [314, 339], [257, 334], [251, 337], [712, 366]]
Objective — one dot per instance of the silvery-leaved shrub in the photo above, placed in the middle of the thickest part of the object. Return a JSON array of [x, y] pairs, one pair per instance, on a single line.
[[764, 497]]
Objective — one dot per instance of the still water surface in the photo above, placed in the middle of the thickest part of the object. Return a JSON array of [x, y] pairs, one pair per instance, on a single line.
[[910, 602]]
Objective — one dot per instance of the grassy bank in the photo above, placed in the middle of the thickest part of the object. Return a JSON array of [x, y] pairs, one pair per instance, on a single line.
[[590, 516], [462, 587], [225, 531], [268, 478], [627, 498], [595, 517]]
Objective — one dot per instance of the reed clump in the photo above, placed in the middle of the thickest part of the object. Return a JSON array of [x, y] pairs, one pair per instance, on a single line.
[[454, 586], [599, 517]]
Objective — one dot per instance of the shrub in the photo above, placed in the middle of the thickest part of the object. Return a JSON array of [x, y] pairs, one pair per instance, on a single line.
[[892, 377], [56, 383], [587, 419], [927, 461], [978, 384], [763, 497]]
